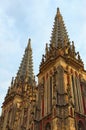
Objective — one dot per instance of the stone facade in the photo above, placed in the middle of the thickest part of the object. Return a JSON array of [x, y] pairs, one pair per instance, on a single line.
[[58, 102]]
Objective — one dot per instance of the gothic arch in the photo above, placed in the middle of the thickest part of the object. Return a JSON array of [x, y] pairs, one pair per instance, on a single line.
[[60, 68], [48, 126], [81, 125]]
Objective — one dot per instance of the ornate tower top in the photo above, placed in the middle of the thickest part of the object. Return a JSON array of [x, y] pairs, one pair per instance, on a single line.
[[24, 77], [59, 33], [26, 66], [60, 45]]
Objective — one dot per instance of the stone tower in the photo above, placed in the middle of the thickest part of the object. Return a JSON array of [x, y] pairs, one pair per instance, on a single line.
[[58, 102], [61, 83], [20, 99]]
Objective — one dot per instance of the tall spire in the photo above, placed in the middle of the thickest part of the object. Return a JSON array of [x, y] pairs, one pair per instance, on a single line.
[[26, 66], [24, 79], [59, 33], [60, 44]]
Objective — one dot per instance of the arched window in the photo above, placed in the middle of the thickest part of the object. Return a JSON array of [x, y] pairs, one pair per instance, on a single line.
[[80, 126], [48, 126]]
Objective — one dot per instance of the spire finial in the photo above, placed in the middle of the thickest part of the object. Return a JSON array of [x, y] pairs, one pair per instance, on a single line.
[[58, 12], [29, 43]]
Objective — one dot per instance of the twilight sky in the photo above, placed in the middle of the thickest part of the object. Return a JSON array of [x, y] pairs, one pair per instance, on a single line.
[[24, 19]]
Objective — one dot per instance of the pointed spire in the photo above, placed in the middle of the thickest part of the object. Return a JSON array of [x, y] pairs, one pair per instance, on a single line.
[[29, 44], [26, 66], [58, 12], [59, 33]]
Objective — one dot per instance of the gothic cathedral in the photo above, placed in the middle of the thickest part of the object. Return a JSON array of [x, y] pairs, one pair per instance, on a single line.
[[58, 101]]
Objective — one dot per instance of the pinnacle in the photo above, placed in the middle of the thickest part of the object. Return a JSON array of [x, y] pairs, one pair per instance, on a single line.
[[58, 12], [26, 66], [29, 43], [59, 32]]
